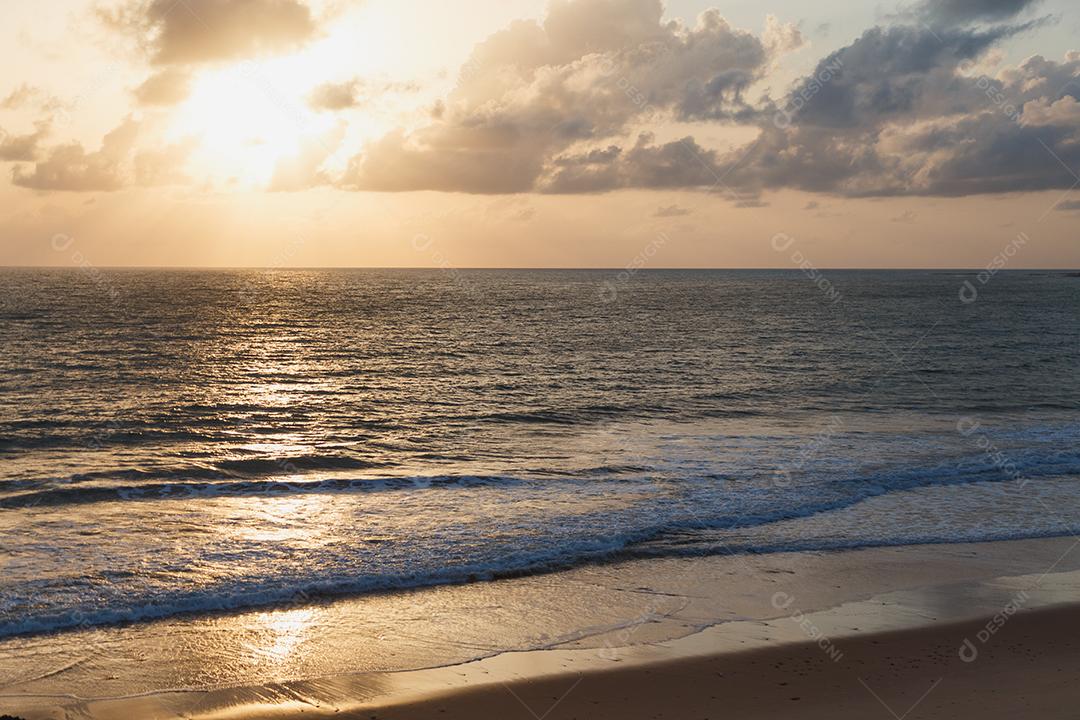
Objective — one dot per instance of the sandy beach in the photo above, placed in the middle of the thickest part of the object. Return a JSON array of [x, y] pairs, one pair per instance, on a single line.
[[1029, 671], [974, 630]]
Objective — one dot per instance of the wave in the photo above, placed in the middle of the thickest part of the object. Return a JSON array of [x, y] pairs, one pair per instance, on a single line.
[[550, 417], [704, 548], [293, 464], [687, 516], [648, 543], [276, 592], [181, 490], [228, 469], [96, 437], [233, 478]]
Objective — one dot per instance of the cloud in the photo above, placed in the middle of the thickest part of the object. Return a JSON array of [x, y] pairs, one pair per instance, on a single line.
[[69, 167], [893, 114], [891, 73], [1044, 112], [667, 211], [451, 159], [591, 70], [566, 104], [20, 96], [27, 95], [18, 148], [331, 97], [674, 165], [166, 87], [908, 217], [1068, 205], [117, 164], [962, 12], [983, 154], [199, 31], [896, 113], [335, 96], [548, 106]]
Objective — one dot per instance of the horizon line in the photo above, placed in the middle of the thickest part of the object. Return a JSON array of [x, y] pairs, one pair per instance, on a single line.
[[546, 268]]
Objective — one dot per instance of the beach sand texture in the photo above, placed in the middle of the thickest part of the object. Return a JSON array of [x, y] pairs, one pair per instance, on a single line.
[[919, 632]]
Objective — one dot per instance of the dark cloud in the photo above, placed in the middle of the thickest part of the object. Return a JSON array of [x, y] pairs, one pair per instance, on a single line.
[[888, 73], [1068, 205], [900, 112], [896, 113], [167, 87], [675, 165], [197, 31], [990, 154], [961, 12]]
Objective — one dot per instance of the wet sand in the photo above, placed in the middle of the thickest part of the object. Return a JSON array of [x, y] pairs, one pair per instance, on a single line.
[[1028, 669], [862, 633]]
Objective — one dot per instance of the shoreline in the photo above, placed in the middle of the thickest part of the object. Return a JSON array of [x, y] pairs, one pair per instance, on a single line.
[[899, 592], [918, 672]]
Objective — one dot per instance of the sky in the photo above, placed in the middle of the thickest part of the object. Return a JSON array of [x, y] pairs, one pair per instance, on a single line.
[[540, 133]]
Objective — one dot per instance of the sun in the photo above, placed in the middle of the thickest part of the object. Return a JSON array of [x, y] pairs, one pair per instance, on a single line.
[[248, 117]]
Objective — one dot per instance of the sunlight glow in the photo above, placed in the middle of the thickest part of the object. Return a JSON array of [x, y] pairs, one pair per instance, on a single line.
[[250, 116]]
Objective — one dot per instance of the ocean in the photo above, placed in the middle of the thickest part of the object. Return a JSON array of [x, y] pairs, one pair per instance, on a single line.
[[192, 441]]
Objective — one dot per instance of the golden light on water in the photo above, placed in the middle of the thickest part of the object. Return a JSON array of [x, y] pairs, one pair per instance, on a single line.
[[275, 526], [283, 631]]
